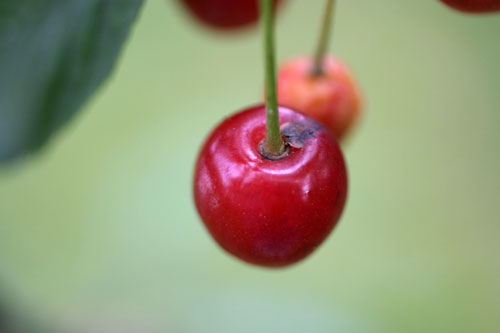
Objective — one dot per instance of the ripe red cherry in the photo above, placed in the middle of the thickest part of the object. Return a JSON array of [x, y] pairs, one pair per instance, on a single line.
[[332, 97], [474, 6], [270, 212], [225, 14]]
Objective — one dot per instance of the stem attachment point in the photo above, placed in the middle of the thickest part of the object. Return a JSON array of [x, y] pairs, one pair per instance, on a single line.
[[265, 152]]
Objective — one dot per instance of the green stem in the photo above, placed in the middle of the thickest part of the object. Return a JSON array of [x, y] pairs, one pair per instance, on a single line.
[[273, 143], [323, 38]]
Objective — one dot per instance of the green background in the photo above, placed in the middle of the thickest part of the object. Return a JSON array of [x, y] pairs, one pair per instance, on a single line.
[[99, 232]]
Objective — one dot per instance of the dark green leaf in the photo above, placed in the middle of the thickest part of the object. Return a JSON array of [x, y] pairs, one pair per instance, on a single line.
[[53, 55]]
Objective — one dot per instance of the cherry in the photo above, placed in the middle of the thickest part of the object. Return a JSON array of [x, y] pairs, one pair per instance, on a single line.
[[225, 14], [474, 6], [331, 97], [270, 212]]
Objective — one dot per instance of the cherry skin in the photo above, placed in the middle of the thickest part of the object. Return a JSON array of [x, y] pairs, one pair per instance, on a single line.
[[332, 97], [474, 6], [225, 14], [270, 212]]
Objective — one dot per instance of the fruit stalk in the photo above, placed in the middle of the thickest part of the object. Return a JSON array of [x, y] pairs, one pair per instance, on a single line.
[[273, 145], [324, 37]]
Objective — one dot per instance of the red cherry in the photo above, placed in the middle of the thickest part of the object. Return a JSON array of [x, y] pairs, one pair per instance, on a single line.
[[225, 14], [474, 6], [332, 98], [270, 212]]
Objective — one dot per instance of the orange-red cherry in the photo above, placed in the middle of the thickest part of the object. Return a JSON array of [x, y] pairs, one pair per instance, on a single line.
[[270, 212], [332, 97]]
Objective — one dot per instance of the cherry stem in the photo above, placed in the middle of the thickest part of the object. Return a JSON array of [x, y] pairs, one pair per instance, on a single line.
[[273, 145], [323, 38]]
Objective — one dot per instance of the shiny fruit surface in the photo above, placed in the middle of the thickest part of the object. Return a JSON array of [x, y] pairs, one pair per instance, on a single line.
[[474, 6], [225, 14], [270, 213], [332, 98]]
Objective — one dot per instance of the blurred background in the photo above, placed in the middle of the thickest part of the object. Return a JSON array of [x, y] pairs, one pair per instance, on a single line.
[[99, 233]]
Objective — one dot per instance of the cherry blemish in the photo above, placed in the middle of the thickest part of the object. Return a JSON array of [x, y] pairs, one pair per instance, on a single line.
[[297, 133]]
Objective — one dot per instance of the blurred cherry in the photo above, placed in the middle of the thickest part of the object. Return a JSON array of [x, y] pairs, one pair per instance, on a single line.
[[474, 6], [225, 14], [332, 96]]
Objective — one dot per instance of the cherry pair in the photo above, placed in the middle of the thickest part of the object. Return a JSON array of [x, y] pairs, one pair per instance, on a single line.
[[270, 183]]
